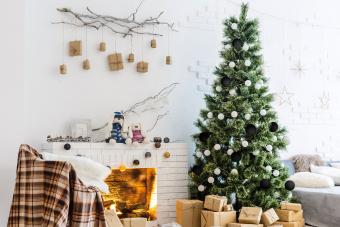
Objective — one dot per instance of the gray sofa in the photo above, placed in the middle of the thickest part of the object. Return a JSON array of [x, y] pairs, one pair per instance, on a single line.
[[321, 205]]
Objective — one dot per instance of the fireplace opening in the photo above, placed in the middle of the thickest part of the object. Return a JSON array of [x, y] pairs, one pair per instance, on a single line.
[[133, 193]]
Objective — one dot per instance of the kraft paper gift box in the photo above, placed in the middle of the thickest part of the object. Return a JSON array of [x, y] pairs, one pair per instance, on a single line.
[[188, 212], [269, 217], [275, 225], [289, 215], [228, 207], [142, 67], [250, 215], [291, 206], [75, 48], [221, 219], [112, 219], [300, 223], [244, 225], [134, 222], [215, 202], [115, 61]]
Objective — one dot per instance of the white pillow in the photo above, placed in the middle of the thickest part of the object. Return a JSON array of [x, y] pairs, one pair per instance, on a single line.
[[336, 165], [311, 180], [327, 171]]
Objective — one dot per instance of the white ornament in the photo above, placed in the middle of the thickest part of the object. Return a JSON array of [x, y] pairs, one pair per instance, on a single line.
[[258, 86], [247, 62], [201, 188], [276, 173], [210, 115], [269, 147], [247, 116], [232, 64], [230, 151], [234, 114], [269, 169], [217, 147], [211, 180], [274, 139], [218, 88], [220, 116], [234, 26], [247, 83], [256, 152], [245, 143], [290, 194], [276, 194], [263, 112], [245, 47], [217, 171], [234, 172], [199, 154], [206, 152], [232, 92]]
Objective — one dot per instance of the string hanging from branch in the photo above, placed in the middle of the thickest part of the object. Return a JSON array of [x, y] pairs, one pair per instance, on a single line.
[[102, 45], [124, 26], [86, 62], [62, 67], [131, 57], [168, 59], [142, 66]]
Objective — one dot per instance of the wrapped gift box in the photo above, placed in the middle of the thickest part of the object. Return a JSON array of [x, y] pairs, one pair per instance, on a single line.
[[134, 222], [300, 223], [112, 219], [228, 207], [188, 212], [250, 215], [275, 225], [142, 67], [211, 218], [289, 215], [269, 217], [244, 225], [215, 202], [75, 48], [115, 61], [291, 206]]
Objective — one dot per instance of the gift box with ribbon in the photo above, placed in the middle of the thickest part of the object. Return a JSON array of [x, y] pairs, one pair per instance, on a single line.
[[188, 212], [215, 202], [221, 219], [291, 206], [269, 217], [134, 222], [250, 215]]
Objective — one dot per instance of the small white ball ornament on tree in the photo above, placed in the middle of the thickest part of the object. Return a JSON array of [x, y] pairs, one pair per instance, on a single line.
[[210, 115], [220, 116], [234, 114], [217, 171]]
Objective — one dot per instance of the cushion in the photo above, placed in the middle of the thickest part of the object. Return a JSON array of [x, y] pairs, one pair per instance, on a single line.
[[335, 164], [311, 180], [302, 162], [290, 166], [332, 172]]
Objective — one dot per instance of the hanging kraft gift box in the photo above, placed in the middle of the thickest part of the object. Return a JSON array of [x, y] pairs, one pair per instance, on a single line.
[[142, 67], [188, 212], [211, 218], [134, 222], [63, 69], [269, 217], [244, 225], [115, 62], [250, 215], [291, 206], [131, 58], [289, 215], [215, 202], [75, 48]]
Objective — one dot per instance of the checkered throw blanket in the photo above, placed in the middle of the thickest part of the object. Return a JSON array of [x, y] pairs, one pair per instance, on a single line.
[[48, 193]]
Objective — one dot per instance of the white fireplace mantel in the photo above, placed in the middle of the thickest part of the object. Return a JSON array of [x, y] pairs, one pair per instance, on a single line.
[[172, 172]]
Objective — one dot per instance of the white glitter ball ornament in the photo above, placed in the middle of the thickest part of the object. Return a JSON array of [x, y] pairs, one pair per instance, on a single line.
[[245, 47], [220, 116], [230, 151], [234, 114], [258, 86], [234, 172], [245, 143], [199, 154], [218, 88], [247, 62], [211, 180], [269, 147], [201, 188], [207, 152], [217, 147], [247, 83], [232, 92], [217, 171], [234, 26], [210, 115], [269, 169], [276, 173], [247, 116], [263, 112], [232, 64]]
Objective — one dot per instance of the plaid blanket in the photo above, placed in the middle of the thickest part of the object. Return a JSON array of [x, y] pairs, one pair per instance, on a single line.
[[48, 193]]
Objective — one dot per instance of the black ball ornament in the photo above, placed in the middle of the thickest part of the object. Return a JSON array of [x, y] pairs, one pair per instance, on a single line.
[[204, 136], [273, 127], [264, 184], [136, 162], [196, 169], [236, 156], [147, 154], [225, 81], [237, 44], [289, 185], [237, 206], [157, 145], [166, 140], [251, 130], [67, 146], [157, 139]]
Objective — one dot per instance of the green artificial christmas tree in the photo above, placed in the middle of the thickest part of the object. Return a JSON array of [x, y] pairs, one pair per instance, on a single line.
[[239, 138]]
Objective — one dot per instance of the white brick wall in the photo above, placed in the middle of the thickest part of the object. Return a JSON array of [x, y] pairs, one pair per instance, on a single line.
[[172, 173]]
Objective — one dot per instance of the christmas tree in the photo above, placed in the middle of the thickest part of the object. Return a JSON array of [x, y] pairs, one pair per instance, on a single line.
[[239, 138]]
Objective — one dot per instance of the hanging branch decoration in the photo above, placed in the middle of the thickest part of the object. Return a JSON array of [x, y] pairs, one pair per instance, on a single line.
[[86, 62], [63, 67], [124, 26], [142, 66], [159, 117], [168, 58], [102, 45], [131, 57]]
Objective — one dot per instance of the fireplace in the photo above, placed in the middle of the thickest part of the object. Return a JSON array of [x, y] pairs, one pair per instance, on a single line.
[[133, 192]]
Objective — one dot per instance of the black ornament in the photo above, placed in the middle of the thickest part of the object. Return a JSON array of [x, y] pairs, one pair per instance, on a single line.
[[67, 146], [273, 127], [107, 140], [264, 184], [237, 44], [251, 130], [166, 140], [157, 139], [157, 145], [236, 156], [136, 162], [196, 169], [204, 136], [147, 154], [289, 185], [225, 81]]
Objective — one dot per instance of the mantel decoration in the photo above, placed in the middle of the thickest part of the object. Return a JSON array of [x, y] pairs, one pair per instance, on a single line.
[[126, 27]]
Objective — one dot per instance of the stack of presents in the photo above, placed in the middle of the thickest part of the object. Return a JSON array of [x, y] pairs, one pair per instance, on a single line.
[[215, 211]]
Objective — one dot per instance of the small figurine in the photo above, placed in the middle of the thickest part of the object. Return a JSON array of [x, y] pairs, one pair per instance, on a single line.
[[136, 134], [117, 135]]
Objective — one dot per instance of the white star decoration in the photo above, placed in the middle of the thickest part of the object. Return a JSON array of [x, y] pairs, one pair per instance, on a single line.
[[285, 97], [298, 68], [324, 101]]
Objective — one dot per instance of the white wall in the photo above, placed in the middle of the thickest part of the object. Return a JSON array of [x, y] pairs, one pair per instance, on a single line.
[[52, 101]]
